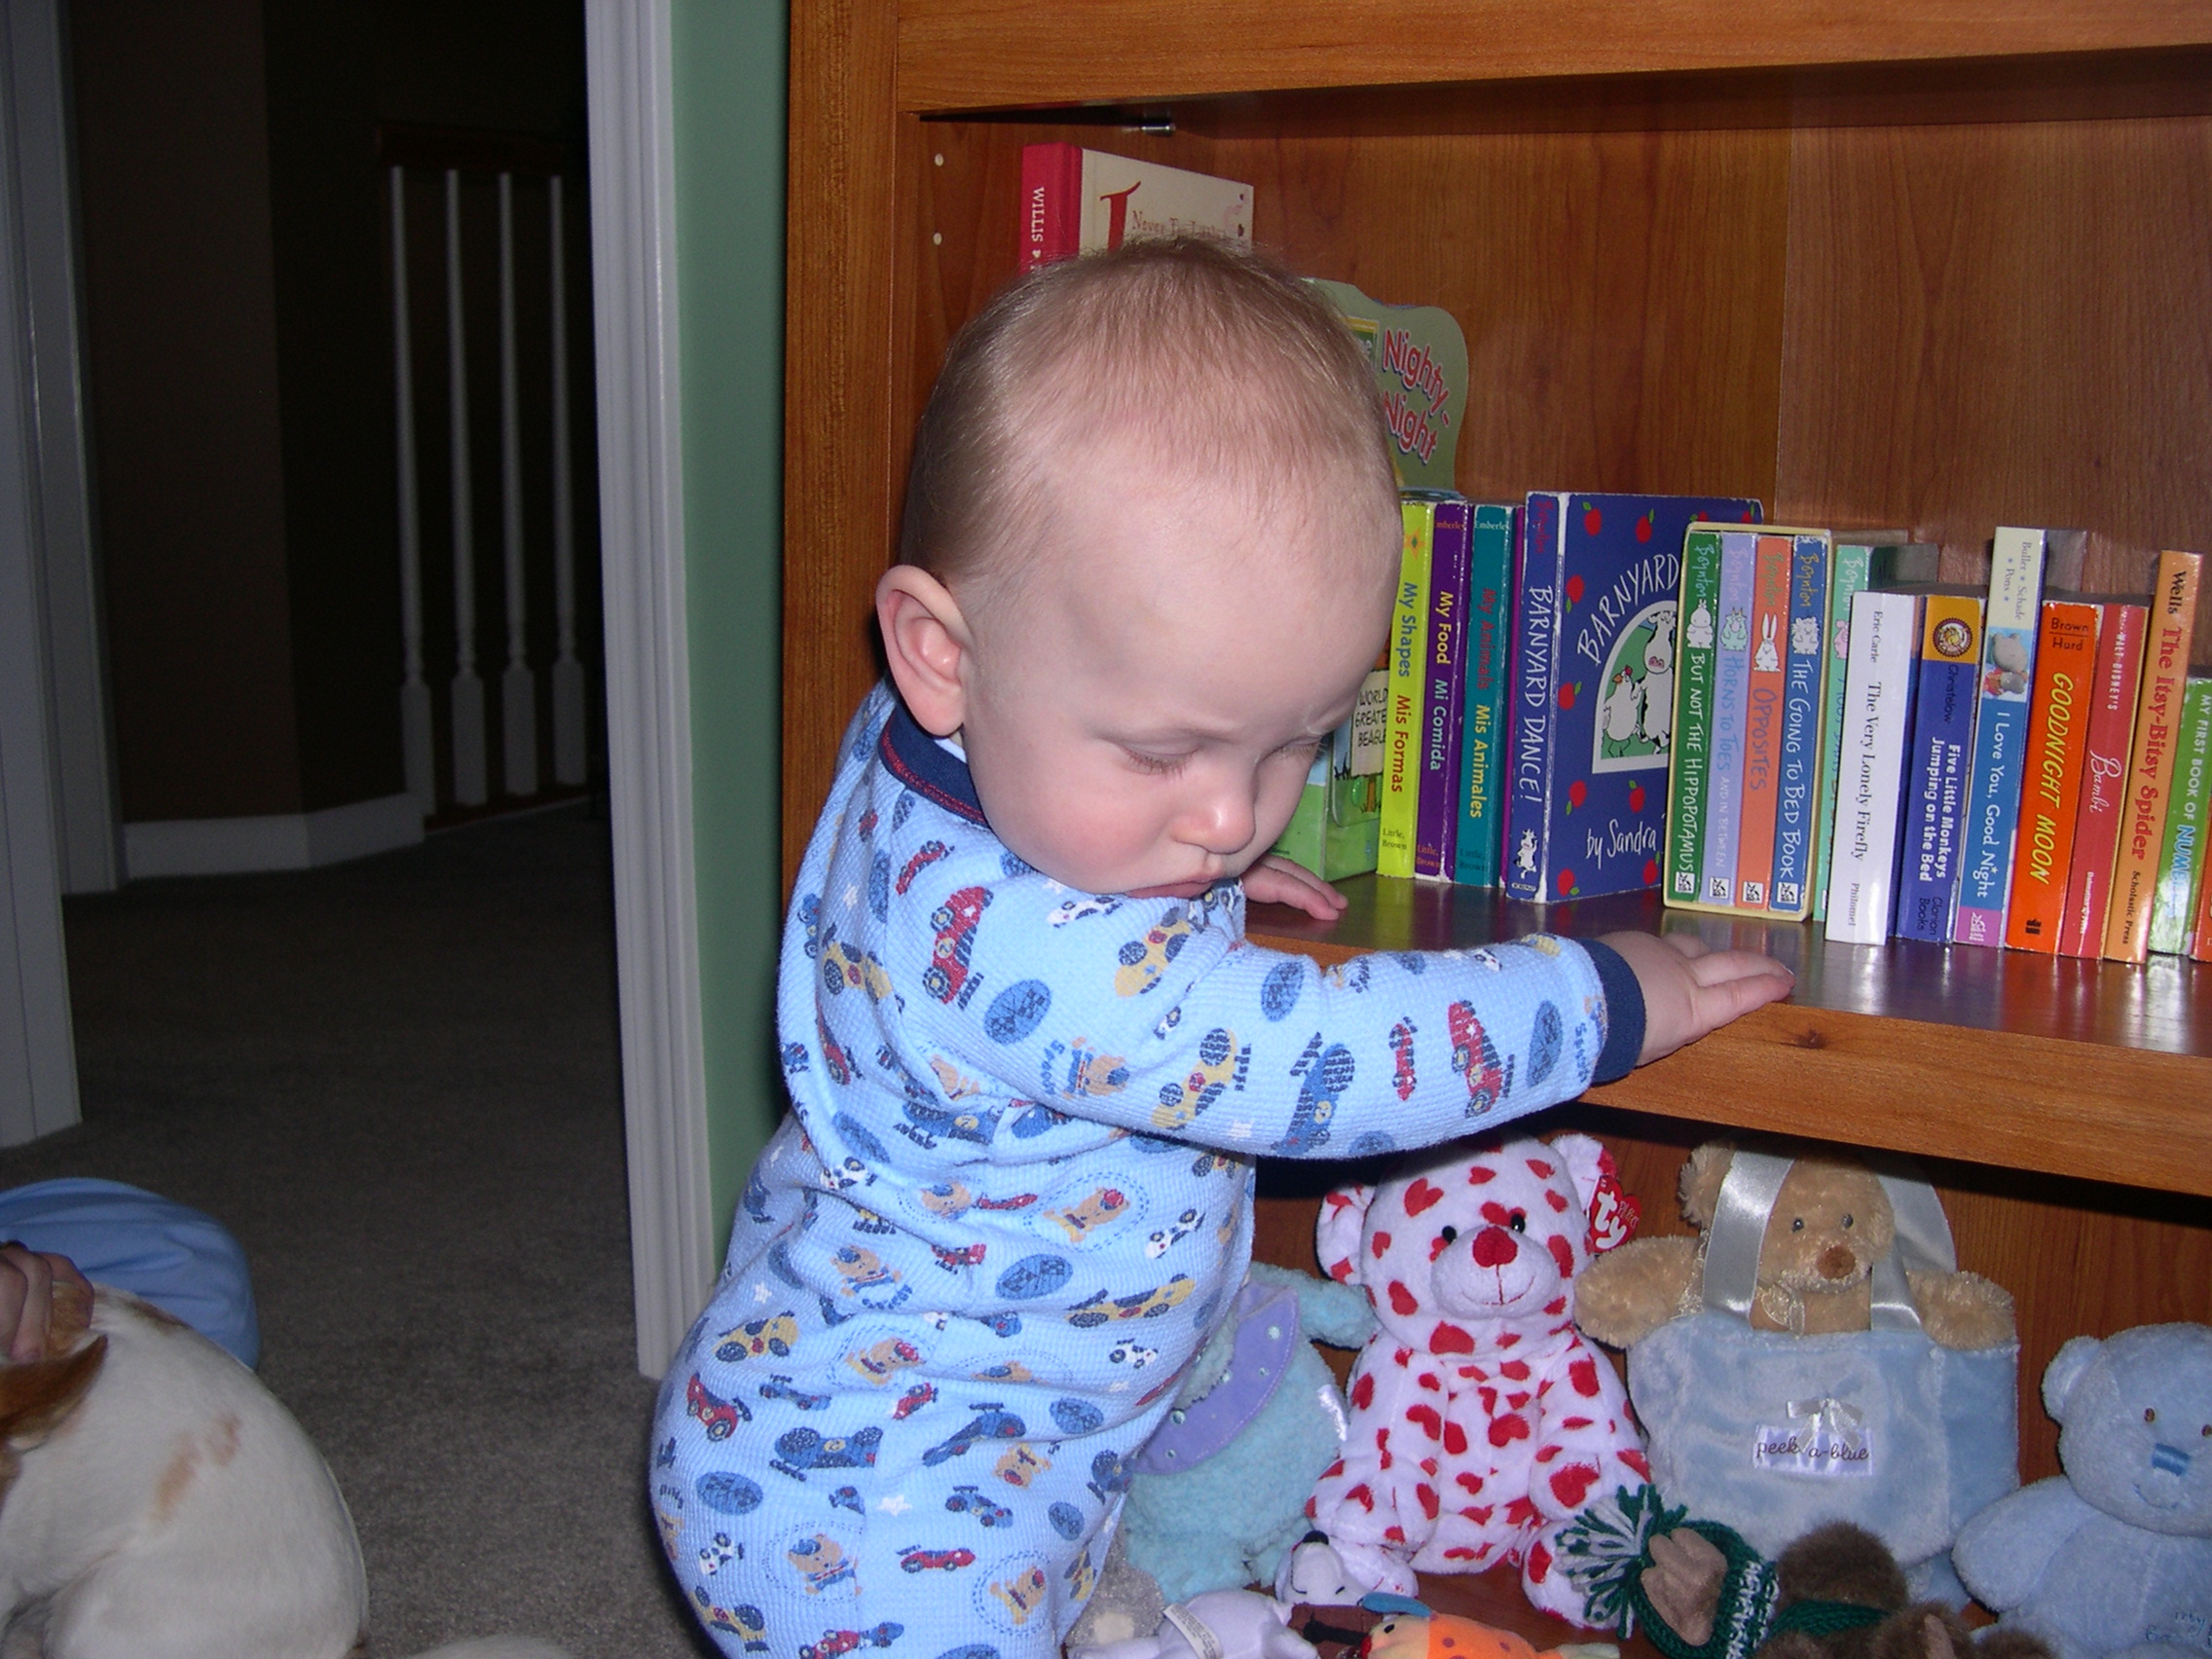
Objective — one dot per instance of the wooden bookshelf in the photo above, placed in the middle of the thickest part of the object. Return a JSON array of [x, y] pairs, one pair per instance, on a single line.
[[1875, 262]]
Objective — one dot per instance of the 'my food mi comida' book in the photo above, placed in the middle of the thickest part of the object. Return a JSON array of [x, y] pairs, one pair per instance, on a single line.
[[2058, 738], [1877, 721], [1594, 687], [2120, 627], [1936, 765], [1077, 201], [1409, 688], [1482, 728], [1436, 836], [2150, 770], [2181, 857]]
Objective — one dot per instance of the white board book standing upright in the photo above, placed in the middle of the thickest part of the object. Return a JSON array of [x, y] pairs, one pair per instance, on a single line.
[[1877, 717]]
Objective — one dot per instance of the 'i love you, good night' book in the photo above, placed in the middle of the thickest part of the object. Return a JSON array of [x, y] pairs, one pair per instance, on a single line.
[[1589, 721]]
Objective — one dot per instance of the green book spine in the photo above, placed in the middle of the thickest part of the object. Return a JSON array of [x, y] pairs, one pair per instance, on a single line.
[[1409, 634], [2181, 855], [1699, 607], [1851, 570]]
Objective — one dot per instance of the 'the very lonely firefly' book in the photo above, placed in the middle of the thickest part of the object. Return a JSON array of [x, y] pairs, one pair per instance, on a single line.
[[1593, 689]]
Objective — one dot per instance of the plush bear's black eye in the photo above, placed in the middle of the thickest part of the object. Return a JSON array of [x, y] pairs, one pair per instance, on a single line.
[[1847, 1221], [2150, 1413], [1797, 1224], [1448, 1233], [1518, 1221]]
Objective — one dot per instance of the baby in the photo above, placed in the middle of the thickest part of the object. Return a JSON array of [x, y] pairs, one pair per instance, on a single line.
[[1151, 538]]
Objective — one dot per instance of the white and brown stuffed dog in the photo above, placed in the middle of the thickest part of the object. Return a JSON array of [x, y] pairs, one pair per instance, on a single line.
[[1481, 1420], [156, 1502]]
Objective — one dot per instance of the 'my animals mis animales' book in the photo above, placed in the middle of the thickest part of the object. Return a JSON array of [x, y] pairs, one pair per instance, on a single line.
[[1593, 707], [1077, 201], [1482, 726]]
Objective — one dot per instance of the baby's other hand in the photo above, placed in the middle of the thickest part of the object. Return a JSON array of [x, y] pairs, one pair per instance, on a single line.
[[1275, 880], [44, 1304], [1689, 990]]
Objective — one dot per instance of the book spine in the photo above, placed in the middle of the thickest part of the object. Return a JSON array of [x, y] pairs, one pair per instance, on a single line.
[[1536, 648], [1850, 569], [1942, 734], [1999, 734], [2181, 859], [2104, 777], [1762, 720], [1732, 681], [1052, 204], [2058, 737], [1490, 588], [1877, 717], [2200, 923], [1795, 803], [1437, 830], [2150, 770], [1686, 775], [1409, 630]]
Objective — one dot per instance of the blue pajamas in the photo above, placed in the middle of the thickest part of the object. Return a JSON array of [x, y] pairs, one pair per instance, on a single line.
[[1012, 1196]]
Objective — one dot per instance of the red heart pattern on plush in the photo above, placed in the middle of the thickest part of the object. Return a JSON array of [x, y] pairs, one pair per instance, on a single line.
[[1497, 1451]]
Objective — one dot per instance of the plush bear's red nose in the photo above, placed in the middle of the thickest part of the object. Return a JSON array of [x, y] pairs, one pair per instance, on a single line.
[[1494, 1247]]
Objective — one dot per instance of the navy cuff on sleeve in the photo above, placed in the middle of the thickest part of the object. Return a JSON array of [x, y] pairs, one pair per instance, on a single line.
[[1624, 1011]]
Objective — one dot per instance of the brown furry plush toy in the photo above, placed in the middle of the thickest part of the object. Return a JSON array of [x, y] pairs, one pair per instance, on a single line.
[[1830, 1224], [1840, 1596]]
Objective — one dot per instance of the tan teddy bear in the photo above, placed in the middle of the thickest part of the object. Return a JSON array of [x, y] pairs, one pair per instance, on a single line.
[[1830, 1224]]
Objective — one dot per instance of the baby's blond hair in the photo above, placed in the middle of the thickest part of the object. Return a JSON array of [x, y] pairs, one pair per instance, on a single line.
[[1214, 358]]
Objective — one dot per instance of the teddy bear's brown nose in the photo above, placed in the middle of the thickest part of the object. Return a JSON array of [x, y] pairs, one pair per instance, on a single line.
[[1494, 1247], [1837, 1262]]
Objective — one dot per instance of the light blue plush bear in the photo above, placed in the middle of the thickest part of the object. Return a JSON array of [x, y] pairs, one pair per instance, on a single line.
[[2114, 1555], [1219, 1492]]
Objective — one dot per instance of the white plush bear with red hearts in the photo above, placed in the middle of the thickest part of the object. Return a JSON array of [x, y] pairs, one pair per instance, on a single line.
[[1481, 1420]]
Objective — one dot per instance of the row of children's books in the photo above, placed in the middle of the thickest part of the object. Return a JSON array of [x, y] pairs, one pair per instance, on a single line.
[[1594, 693], [2026, 765]]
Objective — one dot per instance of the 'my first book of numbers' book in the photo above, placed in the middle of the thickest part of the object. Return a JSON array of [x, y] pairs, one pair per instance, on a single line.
[[1594, 687]]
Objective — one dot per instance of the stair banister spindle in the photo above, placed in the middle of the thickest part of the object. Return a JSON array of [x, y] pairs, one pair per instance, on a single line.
[[518, 688], [414, 691], [468, 788], [568, 672]]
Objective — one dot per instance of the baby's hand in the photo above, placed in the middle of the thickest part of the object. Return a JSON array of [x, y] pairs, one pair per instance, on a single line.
[[45, 1302], [1689, 990], [1275, 880]]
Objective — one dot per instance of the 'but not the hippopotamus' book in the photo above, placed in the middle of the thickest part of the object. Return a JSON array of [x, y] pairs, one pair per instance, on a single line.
[[1593, 689]]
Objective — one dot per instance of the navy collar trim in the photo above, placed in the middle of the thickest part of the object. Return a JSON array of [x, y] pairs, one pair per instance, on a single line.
[[925, 766]]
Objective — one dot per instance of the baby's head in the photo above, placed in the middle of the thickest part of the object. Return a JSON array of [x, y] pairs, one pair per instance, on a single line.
[[1151, 538]]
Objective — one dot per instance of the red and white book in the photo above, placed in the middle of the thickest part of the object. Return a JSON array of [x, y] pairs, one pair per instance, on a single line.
[[1077, 201]]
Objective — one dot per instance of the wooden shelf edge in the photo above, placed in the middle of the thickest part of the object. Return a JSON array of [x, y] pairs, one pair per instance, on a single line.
[[974, 55], [2093, 1112]]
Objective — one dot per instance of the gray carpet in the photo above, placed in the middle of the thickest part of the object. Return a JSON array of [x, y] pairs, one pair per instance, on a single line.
[[396, 1081]]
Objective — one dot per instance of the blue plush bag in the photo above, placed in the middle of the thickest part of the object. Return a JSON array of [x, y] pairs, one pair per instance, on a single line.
[[1773, 1433]]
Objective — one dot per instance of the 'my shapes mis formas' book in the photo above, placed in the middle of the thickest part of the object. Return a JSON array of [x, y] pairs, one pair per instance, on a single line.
[[1591, 721]]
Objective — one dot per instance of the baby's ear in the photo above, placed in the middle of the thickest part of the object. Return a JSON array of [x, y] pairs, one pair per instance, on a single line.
[[926, 642]]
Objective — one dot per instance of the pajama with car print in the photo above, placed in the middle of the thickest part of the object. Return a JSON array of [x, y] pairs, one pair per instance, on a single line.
[[1012, 1195]]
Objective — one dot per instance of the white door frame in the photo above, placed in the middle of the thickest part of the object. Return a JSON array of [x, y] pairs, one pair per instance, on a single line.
[[648, 683]]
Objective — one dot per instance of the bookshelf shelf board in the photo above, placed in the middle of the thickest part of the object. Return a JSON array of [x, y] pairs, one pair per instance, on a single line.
[[2095, 1070], [977, 55]]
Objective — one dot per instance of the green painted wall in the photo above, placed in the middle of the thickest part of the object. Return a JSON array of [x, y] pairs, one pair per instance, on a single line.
[[729, 249]]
